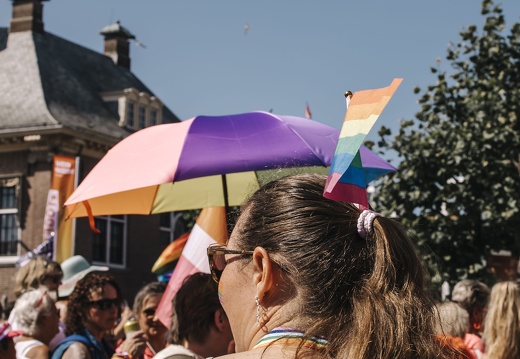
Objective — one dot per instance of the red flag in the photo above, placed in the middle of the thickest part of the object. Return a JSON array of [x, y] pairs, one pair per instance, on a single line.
[[308, 113], [210, 228]]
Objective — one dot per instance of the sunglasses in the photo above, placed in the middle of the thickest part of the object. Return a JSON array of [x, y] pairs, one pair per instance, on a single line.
[[149, 312], [105, 304], [217, 259]]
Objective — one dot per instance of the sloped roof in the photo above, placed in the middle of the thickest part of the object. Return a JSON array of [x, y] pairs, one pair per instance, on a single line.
[[47, 81]]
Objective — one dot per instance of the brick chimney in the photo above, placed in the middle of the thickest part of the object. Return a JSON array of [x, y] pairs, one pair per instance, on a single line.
[[27, 16], [117, 44]]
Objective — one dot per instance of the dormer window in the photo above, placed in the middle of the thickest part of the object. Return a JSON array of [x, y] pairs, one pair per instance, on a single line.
[[130, 115], [142, 117], [153, 117], [136, 110]]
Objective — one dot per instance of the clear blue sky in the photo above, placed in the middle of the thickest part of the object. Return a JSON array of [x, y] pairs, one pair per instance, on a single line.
[[199, 61]]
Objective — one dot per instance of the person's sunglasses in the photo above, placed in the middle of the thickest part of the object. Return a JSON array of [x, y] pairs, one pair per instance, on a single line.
[[105, 304], [217, 259], [149, 312]]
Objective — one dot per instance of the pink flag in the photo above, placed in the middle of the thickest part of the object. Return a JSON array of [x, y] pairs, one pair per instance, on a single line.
[[210, 228]]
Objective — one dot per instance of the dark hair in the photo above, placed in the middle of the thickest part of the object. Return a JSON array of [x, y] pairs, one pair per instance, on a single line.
[[367, 296], [4, 343], [79, 298], [194, 307], [150, 288]]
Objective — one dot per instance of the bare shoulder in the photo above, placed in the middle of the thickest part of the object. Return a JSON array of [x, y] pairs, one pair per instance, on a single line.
[[76, 351], [38, 352]]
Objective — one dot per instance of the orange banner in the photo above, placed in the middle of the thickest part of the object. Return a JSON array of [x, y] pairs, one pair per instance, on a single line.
[[63, 180]]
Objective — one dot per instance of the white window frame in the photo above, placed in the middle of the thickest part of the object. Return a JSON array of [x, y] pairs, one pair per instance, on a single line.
[[16, 183], [109, 220]]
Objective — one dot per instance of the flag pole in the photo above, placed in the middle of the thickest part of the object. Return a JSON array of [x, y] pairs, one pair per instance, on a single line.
[[226, 199]]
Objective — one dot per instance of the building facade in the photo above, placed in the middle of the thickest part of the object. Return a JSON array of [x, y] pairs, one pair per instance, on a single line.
[[59, 98]]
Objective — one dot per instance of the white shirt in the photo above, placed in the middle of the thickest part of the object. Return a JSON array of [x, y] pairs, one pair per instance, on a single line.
[[24, 346], [175, 349]]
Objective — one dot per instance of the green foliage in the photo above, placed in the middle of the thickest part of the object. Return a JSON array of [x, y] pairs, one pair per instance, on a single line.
[[458, 182], [189, 218]]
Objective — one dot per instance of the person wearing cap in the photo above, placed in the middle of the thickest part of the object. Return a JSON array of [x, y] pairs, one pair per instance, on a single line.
[[35, 313], [75, 268], [7, 350]]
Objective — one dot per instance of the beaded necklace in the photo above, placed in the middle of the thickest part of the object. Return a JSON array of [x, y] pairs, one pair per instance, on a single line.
[[291, 337]]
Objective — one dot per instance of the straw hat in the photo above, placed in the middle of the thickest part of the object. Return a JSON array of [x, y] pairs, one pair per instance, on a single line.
[[75, 268]]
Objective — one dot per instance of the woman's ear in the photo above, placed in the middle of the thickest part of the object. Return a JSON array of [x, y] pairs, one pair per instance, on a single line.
[[221, 320], [263, 275]]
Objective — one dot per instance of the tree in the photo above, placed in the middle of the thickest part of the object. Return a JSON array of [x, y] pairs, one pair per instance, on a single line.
[[458, 182]]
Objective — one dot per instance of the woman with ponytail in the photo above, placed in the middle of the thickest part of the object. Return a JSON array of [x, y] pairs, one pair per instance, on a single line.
[[303, 276]]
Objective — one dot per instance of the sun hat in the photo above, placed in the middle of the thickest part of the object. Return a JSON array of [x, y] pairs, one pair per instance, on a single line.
[[7, 332], [75, 268]]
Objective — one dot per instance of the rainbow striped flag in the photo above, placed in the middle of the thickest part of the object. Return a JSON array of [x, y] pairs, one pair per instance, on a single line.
[[209, 228], [346, 181]]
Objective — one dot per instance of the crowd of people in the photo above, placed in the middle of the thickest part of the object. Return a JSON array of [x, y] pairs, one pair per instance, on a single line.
[[301, 276]]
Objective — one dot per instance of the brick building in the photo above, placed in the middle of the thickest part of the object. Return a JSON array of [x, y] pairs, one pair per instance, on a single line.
[[61, 98]]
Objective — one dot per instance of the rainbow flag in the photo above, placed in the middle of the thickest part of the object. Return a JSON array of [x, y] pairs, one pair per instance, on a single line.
[[170, 255], [346, 181], [209, 228]]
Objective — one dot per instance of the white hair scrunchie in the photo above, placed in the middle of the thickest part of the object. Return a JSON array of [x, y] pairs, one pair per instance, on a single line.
[[365, 223]]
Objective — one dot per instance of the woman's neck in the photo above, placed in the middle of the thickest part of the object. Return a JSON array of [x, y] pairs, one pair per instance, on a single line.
[[273, 323], [291, 337], [96, 332]]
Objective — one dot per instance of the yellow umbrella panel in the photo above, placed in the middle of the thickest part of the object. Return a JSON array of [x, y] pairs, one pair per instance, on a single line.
[[184, 195]]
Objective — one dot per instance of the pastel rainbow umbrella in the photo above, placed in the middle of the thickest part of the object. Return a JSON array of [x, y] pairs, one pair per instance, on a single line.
[[206, 161], [346, 180], [209, 228]]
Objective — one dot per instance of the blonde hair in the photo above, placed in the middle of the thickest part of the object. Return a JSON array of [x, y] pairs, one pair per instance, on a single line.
[[31, 275], [502, 323]]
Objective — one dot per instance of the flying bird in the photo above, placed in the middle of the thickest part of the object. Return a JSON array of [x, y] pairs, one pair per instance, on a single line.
[[140, 44], [247, 27]]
